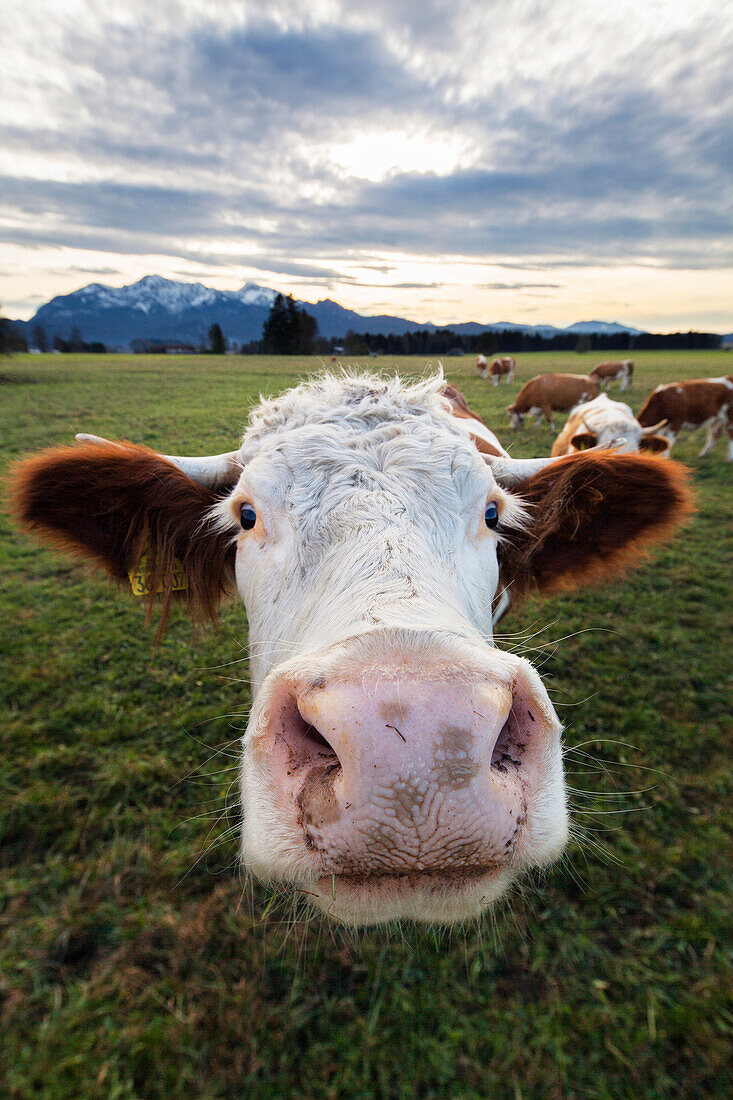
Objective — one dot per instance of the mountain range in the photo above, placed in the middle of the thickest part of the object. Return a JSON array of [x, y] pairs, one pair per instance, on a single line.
[[159, 309]]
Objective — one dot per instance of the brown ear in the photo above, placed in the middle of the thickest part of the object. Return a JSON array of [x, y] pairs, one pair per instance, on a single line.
[[112, 503], [583, 441], [593, 515], [458, 402], [655, 444]]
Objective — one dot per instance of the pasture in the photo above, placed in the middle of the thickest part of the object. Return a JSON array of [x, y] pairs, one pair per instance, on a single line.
[[135, 960]]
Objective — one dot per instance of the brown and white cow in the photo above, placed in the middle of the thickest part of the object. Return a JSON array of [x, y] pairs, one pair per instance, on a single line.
[[548, 393], [502, 368], [482, 366], [697, 403], [395, 763], [606, 373], [605, 423]]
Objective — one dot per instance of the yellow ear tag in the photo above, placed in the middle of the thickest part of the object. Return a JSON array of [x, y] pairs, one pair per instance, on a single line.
[[141, 581]]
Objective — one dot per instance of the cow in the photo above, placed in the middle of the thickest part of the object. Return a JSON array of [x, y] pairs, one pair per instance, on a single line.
[[606, 373], [605, 423], [547, 393], [502, 367], [696, 403], [395, 762]]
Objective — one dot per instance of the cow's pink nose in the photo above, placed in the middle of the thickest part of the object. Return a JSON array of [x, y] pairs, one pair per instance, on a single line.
[[398, 774]]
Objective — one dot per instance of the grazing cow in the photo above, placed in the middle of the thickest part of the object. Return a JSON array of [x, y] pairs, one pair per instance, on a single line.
[[547, 393], [502, 367], [605, 423], [697, 403], [606, 373], [395, 764], [482, 367]]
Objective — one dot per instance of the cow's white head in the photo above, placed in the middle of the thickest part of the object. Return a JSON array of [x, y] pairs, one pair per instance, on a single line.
[[605, 423], [395, 764]]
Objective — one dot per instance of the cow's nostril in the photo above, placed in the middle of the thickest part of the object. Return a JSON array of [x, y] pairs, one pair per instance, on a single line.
[[303, 743], [314, 739], [510, 746]]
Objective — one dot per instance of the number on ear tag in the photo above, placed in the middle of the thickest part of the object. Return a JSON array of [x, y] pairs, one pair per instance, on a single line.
[[141, 581]]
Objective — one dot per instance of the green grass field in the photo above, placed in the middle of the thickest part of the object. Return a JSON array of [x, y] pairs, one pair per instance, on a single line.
[[136, 961]]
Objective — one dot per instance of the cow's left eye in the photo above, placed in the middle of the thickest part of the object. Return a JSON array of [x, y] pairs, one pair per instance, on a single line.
[[247, 517], [491, 515]]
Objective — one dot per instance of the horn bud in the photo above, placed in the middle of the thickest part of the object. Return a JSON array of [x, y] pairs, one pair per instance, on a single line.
[[510, 471], [655, 427], [212, 471]]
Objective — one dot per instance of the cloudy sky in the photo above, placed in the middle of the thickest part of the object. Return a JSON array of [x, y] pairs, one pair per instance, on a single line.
[[526, 160]]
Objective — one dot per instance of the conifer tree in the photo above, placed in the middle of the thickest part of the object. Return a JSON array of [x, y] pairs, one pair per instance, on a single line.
[[6, 338], [288, 330], [217, 343], [40, 339], [275, 329]]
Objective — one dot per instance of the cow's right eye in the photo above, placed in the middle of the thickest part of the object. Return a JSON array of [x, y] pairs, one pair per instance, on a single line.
[[491, 515], [247, 517]]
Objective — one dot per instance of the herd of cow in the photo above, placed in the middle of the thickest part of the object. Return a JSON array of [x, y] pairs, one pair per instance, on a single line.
[[595, 420], [396, 762]]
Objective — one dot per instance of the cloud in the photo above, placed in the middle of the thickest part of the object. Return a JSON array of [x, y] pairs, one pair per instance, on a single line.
[[519, 286], [243, 135], [411, 286], [93, 270]]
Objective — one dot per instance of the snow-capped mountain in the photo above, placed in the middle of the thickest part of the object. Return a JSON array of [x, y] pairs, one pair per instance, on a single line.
[[155, 308], [154, 292]]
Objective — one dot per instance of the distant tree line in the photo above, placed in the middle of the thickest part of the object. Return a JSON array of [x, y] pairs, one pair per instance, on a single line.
[[6, 336], [446, 341], [214, 344], [39, 341], [76, 343], [11, 338], [291, 330]]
